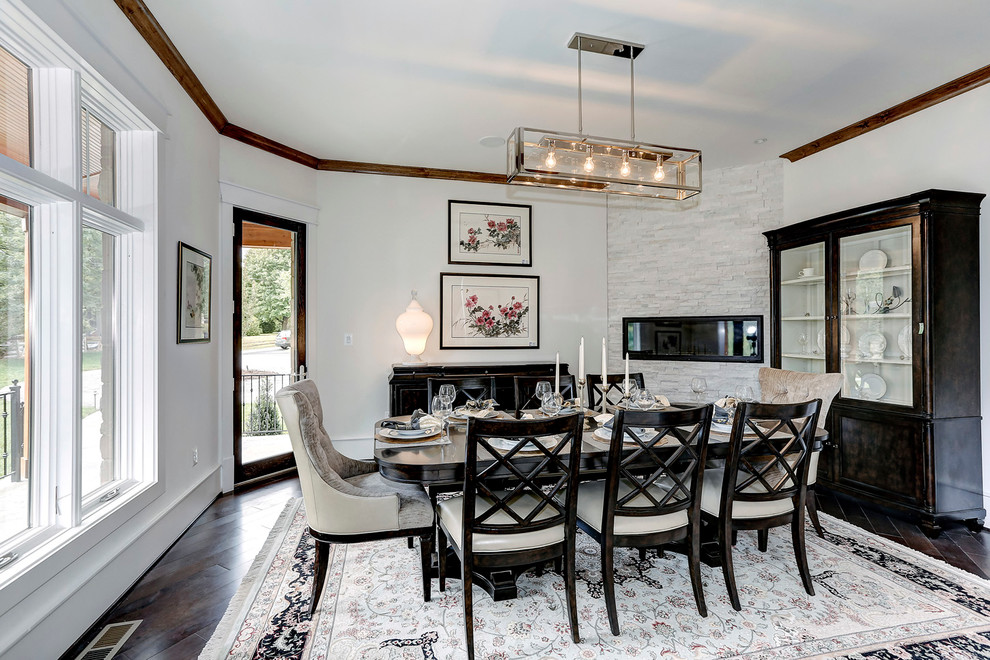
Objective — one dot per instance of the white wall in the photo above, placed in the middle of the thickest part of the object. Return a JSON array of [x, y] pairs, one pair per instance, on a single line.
[[705, 256], [43, 623], [379, 237], [946, 146]]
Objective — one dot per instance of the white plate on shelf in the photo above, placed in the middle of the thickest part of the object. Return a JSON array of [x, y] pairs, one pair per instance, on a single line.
[[873, 260], [872, 387], [845, 339], [872, 345], [821, 341], [904, 340]]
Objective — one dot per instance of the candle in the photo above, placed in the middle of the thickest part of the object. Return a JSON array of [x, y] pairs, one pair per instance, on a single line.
[[580, 373], [625, 379], [556, 375], [604, 373]]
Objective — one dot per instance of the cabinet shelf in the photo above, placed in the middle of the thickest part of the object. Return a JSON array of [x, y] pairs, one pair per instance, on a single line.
[[805, 281], [852, 360], [868, 317], [802, 356], [820, 319], [892, 270]]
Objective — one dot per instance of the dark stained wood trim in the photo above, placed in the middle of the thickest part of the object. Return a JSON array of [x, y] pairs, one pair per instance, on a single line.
[[404, 170], [148, 27], [922, 101], [271, 146]]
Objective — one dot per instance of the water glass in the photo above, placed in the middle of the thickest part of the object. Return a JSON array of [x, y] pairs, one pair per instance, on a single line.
[[442, 409], [644, 399], [447, 393], [552, 404], [543, 388], [699, 386], [744, 393]]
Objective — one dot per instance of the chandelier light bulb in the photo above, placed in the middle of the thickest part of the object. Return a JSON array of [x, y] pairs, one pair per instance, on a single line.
[[551, 160], [589, 164], [658, 175], [625, 169]]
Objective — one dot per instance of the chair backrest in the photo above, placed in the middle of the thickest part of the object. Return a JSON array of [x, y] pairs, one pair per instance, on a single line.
[[612, 388], [469, 388], [656, 463], [530, 471], [525, 390], [783, 386], [769, 452]]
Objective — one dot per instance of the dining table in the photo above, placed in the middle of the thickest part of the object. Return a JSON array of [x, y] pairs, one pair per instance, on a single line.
[[439, 467]]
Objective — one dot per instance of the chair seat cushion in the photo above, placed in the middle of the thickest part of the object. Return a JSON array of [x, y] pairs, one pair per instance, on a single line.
[[452, 518], [415, 509], [591, 508], [711, 499]]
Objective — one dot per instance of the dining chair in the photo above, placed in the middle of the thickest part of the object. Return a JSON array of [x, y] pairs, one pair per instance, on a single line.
[[651, 494], [764, 481], [612, 390], [524, 388], [469, 388], [508, 516], [783, 386], [347, 500]]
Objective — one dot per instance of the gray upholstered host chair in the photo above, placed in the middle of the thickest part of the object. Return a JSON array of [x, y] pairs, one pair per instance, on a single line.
[[783, 386], [348, 501]]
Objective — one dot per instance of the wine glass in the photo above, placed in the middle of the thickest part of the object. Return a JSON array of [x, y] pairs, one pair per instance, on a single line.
[[744, 393], [699, 386], [542, 390], [447, 393], [442, 408], [644, 399], [552, 404], [630, 390], [802, 341]]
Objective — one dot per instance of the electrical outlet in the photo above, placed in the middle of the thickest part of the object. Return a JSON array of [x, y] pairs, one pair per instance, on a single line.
[[195, 455], [348, 339]]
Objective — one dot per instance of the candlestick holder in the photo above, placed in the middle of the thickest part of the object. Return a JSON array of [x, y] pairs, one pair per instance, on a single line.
[[580, 391]]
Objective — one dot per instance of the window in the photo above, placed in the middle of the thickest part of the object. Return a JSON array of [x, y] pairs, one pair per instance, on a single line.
[[98, 162], [15, 109]]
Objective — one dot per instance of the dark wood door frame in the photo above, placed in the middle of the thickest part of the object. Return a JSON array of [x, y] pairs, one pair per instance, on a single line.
[[282, 462]]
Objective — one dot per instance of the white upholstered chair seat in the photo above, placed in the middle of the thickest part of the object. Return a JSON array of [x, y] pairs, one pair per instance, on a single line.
[[415, 508], [452, 517], [591, 508], [711, 498]]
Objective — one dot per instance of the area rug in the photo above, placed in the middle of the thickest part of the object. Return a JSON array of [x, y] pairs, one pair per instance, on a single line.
[[874, 599]]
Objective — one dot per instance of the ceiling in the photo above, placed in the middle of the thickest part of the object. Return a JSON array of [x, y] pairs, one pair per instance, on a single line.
[[420, 83]]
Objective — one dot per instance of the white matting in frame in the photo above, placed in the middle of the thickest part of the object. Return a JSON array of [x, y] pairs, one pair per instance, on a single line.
[[489, 311], [490, 234]]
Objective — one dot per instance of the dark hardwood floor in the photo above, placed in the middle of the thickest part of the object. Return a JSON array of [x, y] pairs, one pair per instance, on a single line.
[[182, 598]]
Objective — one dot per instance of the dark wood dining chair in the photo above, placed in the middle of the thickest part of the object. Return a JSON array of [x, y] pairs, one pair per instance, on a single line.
[[764, 481], [469, 388], [651, 494], [525, 390], [612, 389], [508, 517]]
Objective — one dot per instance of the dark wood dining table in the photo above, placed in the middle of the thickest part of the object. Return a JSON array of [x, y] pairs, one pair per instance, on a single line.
[[440, 468]]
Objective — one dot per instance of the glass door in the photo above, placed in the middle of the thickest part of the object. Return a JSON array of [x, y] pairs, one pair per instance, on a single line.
[[803, 336], [876, 326], [269, 338]]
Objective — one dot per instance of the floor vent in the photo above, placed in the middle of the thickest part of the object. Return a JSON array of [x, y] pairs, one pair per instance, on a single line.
[[109, 641]]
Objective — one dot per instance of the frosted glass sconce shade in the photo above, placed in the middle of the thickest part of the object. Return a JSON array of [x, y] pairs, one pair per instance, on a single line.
[[414, 326]]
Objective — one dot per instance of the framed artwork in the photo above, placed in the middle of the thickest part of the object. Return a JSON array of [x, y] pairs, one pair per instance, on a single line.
[[193, 313], [489, 234], [489, 311]]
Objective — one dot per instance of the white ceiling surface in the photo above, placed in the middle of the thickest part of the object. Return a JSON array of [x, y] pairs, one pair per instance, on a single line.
[[420, 82]]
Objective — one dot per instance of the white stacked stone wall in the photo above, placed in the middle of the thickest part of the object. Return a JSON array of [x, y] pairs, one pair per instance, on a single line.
[[703, 257]]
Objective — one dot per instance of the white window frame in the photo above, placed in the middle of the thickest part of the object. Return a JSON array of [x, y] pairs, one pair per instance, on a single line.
[[64, 526]]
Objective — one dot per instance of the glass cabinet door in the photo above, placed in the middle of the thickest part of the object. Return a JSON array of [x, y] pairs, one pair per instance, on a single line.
[[802, 308], [875, 323]]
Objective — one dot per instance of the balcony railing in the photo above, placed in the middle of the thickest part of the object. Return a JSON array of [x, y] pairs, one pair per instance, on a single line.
[[259, 412], [11, 431]]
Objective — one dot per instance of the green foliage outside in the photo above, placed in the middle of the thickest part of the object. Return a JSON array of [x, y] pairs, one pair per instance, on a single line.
[[263, 415], [12, 240], [266, 290]]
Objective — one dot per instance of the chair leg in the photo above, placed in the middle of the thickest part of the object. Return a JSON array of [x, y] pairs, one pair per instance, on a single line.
[[466, 577], [762, 536], [442, 557], [811, 503], [800, 552], [570, 584], [319, 573], [426, 555], [608, 586], [694, 566], [642, 554], [725, 545]]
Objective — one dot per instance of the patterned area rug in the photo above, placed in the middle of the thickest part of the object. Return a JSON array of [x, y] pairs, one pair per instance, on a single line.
[[874, 599]]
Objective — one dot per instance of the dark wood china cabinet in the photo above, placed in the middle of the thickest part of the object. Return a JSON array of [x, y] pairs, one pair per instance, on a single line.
[[888, 296]]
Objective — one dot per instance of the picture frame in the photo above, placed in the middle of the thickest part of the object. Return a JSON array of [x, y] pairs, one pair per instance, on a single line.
[[195, 275], [489, 234], [482, 311]]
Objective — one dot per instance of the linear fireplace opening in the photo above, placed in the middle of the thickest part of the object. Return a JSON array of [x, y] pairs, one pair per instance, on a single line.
[[699, 338]]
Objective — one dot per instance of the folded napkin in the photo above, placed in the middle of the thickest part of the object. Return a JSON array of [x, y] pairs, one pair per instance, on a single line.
[[605, 419], [662, 400], [418, 420], [479, 404]]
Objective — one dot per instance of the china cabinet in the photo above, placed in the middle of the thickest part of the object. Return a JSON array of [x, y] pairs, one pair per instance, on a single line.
[[888, 296]]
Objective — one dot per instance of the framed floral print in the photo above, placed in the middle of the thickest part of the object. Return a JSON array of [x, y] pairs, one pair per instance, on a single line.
[[193, 313], [489, 234], [489, 311]]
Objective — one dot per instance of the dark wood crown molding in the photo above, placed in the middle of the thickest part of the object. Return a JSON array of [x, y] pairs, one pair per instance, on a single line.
[[271, 146], [928, 99], [404, 170]]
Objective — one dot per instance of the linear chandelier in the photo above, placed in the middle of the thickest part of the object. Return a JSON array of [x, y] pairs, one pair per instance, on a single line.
[[576, 161]]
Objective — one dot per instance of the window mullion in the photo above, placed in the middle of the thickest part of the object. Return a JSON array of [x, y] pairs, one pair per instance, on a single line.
[[56, 137]]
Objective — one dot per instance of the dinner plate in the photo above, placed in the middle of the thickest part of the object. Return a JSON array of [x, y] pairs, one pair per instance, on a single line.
[[873, 260], [845, 340], [872, 387], [605, 434], [409, 434], [904, 340], [821, 341], [506, 444], [872, 345], [727, 429]]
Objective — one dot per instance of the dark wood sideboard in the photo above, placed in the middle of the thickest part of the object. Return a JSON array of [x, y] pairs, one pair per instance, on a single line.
[[407, 383]]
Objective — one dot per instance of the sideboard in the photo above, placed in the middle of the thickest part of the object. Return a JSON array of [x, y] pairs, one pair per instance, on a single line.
[[407, 383]]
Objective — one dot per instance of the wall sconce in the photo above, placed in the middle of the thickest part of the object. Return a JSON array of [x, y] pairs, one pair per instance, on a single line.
[[414, 326]]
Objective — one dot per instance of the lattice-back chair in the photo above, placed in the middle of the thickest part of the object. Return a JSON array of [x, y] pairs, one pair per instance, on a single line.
[[469, 388], [513, 471], [764, 481], [348, 501], [525, 390], [613, 388], [783, 386], [652, 492]]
